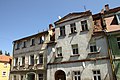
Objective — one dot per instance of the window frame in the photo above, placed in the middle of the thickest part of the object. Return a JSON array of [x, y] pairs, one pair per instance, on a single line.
[[118, 42], [23, 62], [84, 25], [41, 59], [40, 77], [32, 41], [97, 75], [59, 52], [76, 75], [24, 44], [93, 48], [118, 17], [32, 60], [75, 50], [4, 73], [62, 31], [73, 28]]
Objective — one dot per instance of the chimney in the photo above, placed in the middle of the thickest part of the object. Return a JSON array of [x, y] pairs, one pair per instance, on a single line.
[[107, 7]]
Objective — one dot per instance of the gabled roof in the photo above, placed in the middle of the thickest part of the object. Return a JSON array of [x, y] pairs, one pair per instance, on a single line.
[[72, 16], [40, 33], [4, 58]]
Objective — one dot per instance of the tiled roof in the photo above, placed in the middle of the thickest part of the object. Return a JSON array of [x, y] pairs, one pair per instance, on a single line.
[[4, 58]]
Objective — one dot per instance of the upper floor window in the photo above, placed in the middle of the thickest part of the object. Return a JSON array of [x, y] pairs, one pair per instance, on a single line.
[[84, 25], [24, 44], [4, 73], [31, 60], [75, 49], [96, 75], [118, 42], [41, 40], [5, 65], [93, 48], [73, 28], [118, 17], [32, 42], [15, 61], [17, 46], [40, 58], [23, 60], [62, 31], [59, 52], [77, 75]]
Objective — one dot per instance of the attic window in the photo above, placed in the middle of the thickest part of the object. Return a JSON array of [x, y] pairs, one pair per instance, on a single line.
[[84, 25], [118, 17], [73, 28]]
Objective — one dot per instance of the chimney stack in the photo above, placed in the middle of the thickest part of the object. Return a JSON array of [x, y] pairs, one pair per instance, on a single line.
[[107, 7]]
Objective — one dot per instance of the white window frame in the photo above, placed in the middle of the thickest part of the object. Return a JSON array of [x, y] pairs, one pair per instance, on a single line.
[[97, 74], [59, 52], [73, 28], [75, 47], [84, 25], [77, 75]]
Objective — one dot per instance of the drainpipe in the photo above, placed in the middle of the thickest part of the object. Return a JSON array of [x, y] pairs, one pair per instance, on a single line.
[[110, 56]]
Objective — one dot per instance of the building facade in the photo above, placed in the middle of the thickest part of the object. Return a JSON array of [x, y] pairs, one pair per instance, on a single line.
[[79, 51], [5, 62], [29, 57]]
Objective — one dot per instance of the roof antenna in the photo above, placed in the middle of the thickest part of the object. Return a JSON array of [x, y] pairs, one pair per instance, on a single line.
[[84, 7]]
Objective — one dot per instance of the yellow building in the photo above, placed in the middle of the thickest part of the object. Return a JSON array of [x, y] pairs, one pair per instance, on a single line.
[[5, 67]]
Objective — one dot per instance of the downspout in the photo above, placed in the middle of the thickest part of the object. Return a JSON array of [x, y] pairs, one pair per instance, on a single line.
[[110, 56]]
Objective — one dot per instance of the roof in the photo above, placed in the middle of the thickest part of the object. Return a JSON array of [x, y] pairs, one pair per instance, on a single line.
[[72, 16], [40, 33], [4, 58]]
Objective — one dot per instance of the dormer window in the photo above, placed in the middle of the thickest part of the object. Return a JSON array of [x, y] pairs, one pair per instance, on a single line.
[[84, 25], [73, 28], [62, 31], [93, 48]]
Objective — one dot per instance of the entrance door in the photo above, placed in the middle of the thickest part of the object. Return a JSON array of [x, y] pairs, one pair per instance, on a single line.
[[60, 75], [31, 76]]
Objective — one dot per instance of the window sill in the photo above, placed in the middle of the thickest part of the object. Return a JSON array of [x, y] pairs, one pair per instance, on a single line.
[[73, 33], [32, 45], [84, 30], [59, 57], [93, 52], [74, 55]]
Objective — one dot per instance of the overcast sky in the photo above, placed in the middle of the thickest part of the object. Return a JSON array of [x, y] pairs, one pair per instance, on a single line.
[[21, 18]]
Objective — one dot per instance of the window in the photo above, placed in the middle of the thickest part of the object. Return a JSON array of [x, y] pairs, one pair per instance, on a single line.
[[59, 52], [118, 42], [77, 75], [93, 48], [14, 77], [5, 65], [21, 77], [32, 60], [15, 61], [118, 17], [24, 44], [62, 31], [75, 49], [73, 28], [96, 75], [84, 25], [40, 58], [3, 73], [17, 46], [41, 40], [40, 76], [32, 42], [23, 60]]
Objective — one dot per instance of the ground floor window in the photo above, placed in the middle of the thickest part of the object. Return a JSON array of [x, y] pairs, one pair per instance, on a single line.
[[96, 75], [40, 76], [76, 75]]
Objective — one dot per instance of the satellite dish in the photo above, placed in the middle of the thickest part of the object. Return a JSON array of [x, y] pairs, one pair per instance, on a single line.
[[59, 17]]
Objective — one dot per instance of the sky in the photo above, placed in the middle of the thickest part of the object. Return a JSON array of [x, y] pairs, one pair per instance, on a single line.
[[21, 18]]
